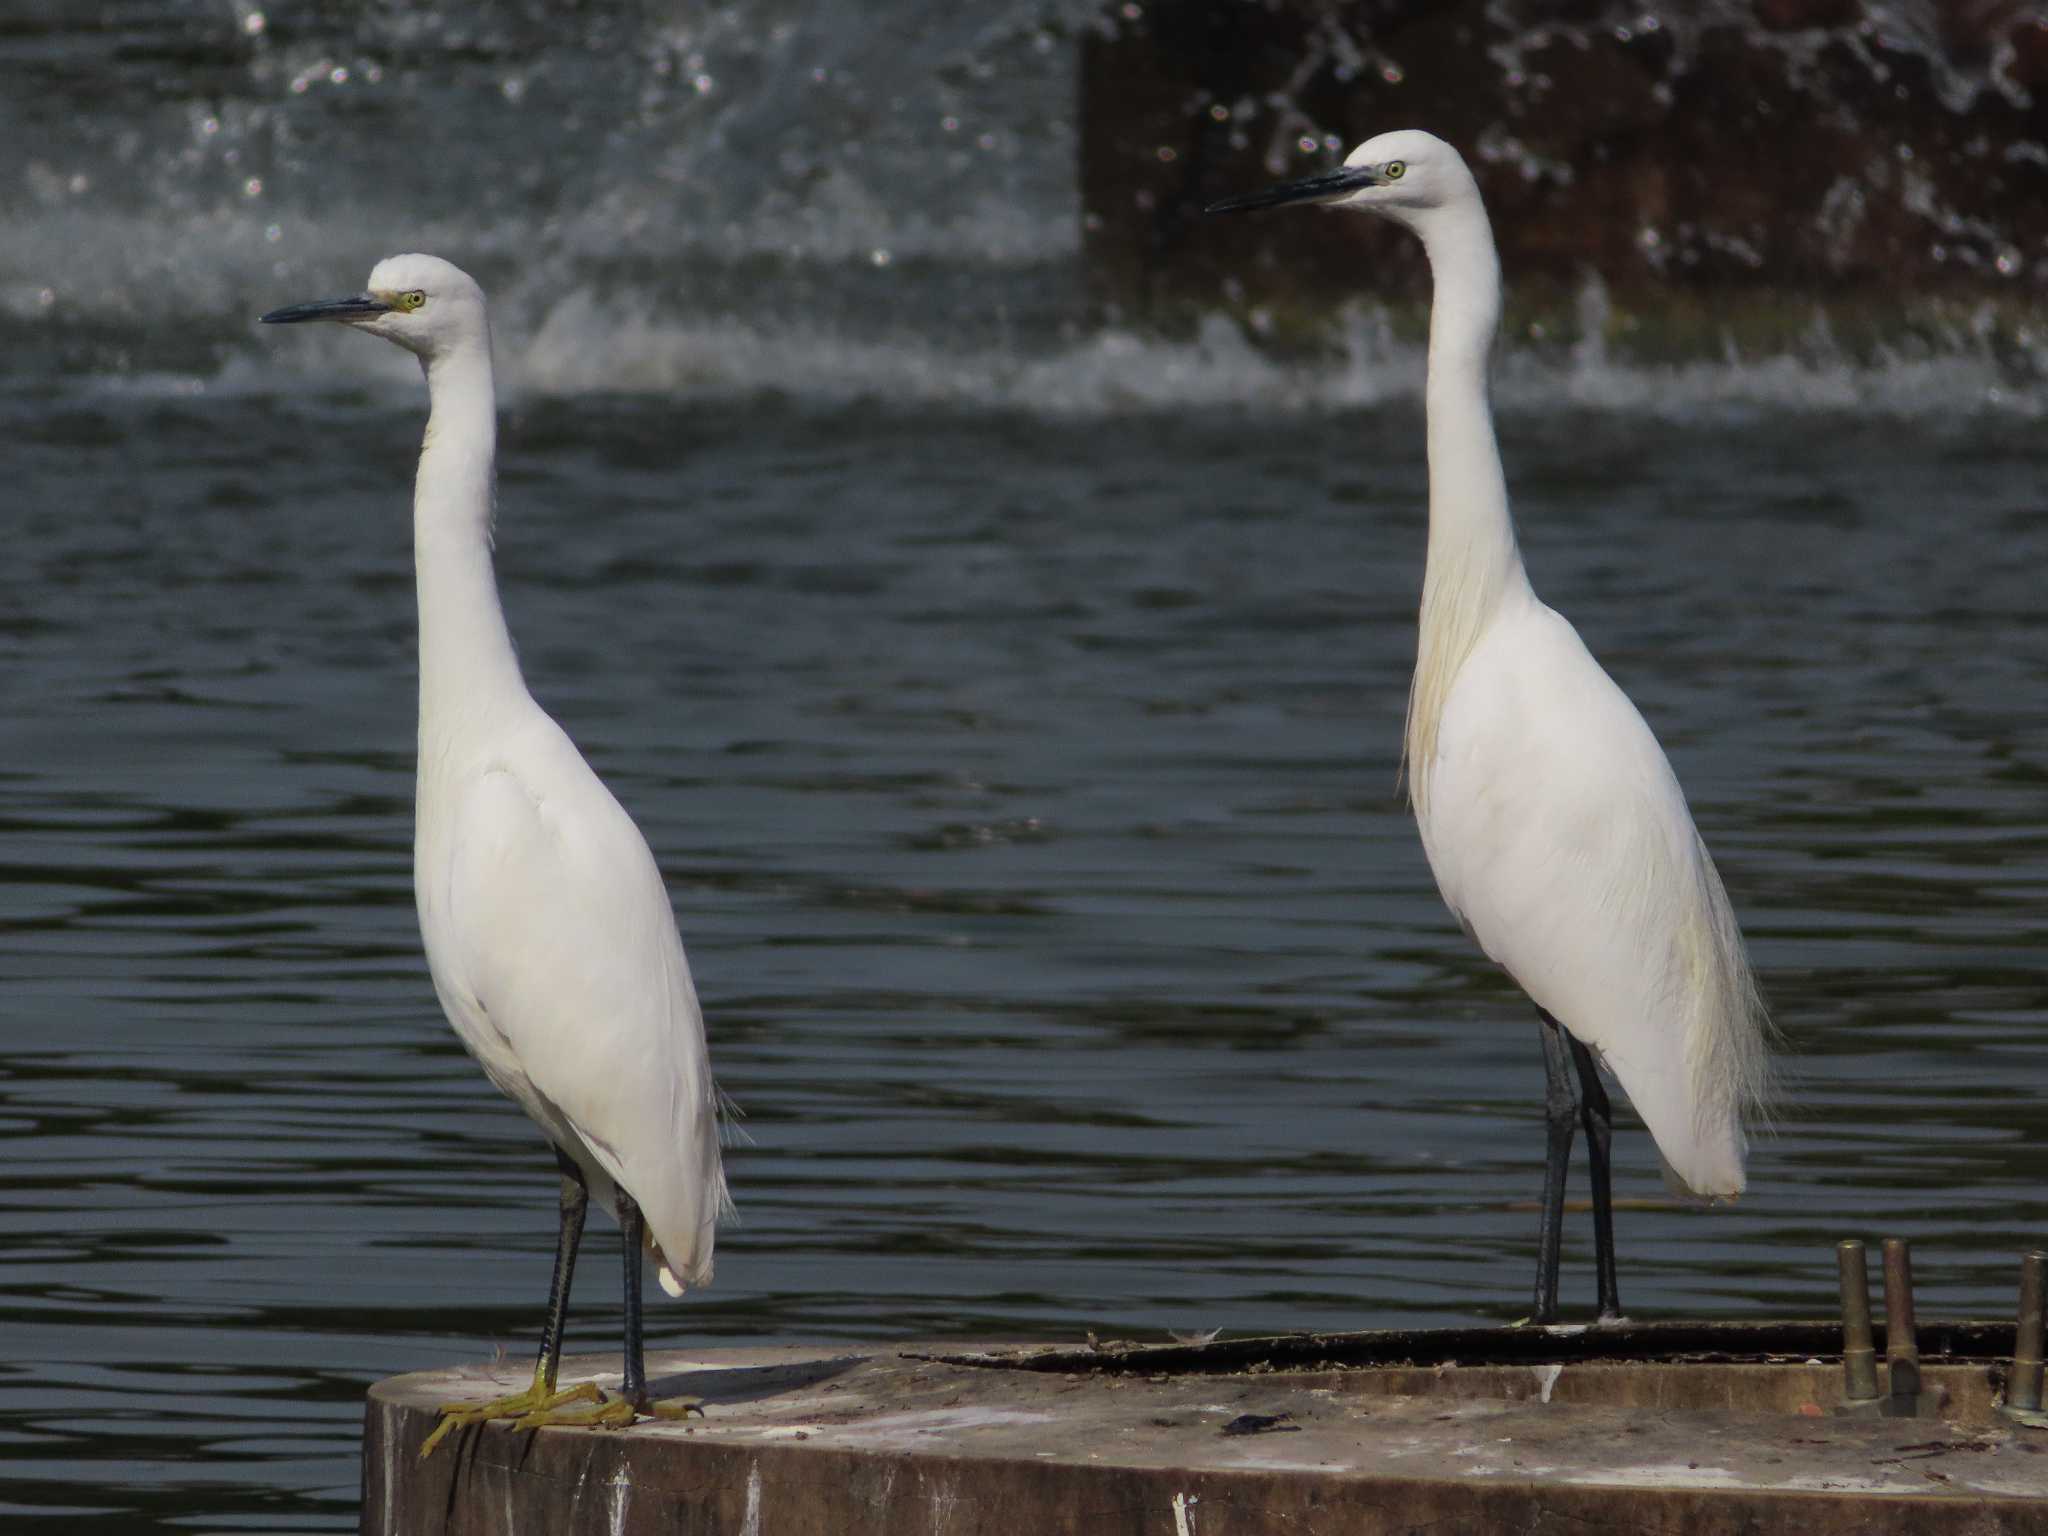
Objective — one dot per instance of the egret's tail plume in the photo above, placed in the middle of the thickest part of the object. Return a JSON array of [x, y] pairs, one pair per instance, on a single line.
[[1728, 1039], [730, 1132], [719, 1128]]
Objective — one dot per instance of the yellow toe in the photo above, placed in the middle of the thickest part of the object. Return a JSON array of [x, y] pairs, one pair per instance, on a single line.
[[536, 1399], [614, 1413]]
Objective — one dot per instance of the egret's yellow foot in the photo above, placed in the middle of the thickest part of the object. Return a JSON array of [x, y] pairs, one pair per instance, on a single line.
[[536, 1399], [612, 1413], [616, 1413]]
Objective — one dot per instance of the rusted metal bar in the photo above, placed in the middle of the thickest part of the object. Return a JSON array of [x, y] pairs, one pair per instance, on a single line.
[[1901, 1340], [2023, 1387], [1859, 1355]]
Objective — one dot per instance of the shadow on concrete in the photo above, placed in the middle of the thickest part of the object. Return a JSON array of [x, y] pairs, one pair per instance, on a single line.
[[750, 1383]]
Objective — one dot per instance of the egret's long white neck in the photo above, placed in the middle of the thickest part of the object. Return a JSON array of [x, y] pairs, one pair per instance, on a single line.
[[1473, 562], [466, 659]]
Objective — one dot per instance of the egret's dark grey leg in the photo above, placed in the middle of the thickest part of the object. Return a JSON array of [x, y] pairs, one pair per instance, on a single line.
[[575, 1202], [633, 1386], [1560, 1118], [1598, 1119], [540, 1403], [631, 1402], [633, 1374]]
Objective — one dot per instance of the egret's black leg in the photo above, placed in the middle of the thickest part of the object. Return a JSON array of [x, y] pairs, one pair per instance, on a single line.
[[575, 1202], [539, 1403], [1560, 1117], [633, 1386], [630, 1403], [633, 1373], [1598, 1119]]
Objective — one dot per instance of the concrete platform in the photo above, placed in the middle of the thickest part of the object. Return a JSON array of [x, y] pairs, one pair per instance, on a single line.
[[1662, 1427]]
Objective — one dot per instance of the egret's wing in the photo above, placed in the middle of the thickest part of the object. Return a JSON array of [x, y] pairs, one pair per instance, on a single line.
[[566, 939], [1559, 835]]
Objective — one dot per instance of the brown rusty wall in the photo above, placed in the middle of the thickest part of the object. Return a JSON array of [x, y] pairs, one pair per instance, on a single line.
[[1794, 145]]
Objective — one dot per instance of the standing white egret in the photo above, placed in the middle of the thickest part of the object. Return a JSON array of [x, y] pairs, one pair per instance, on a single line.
[[1551, 818], [548, 929]]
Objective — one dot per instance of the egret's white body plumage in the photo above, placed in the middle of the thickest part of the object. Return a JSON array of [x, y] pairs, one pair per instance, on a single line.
[[1550, 816], [1559, 836], [548, 929]]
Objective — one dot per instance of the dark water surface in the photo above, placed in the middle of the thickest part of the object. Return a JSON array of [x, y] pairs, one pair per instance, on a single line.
[[1026, 790]]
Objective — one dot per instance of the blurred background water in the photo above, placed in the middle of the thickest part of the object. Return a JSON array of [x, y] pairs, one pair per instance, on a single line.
[[1012, 700]]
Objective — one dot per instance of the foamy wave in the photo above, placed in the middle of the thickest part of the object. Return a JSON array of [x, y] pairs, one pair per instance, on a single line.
[[584, 343], [1952, 386]]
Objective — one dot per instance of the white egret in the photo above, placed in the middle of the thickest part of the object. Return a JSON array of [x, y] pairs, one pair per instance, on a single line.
[[1552, 821], [548, 929]]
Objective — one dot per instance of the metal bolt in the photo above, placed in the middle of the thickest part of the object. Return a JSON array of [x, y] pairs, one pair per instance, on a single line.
[[1901, 1338], [1859, 1356], [2023, 1389]]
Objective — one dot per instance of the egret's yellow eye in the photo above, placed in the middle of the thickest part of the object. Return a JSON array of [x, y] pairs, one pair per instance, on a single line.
[[412, 299], [1394, 170]]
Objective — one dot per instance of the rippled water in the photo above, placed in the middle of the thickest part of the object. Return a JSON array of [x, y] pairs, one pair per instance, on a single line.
[[1026, 793]]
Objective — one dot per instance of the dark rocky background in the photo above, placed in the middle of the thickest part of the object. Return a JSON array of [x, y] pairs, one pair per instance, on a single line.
[[1735, 169]]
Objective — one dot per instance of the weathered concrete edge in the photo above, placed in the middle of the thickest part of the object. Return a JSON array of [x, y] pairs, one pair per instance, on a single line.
[[565, 1483]]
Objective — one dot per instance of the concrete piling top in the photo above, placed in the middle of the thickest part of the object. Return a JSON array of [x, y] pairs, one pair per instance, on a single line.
[[1256, 1437]]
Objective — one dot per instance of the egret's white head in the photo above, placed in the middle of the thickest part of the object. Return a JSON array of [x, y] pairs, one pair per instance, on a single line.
[[426, 305], [1405, 176]]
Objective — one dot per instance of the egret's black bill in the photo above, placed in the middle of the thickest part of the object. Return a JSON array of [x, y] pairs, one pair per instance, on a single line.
[[354, 308], [1312, 189]]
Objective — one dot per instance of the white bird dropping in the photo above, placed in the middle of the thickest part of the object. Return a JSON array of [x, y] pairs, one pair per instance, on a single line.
[[548, 929], [1552, 821]]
